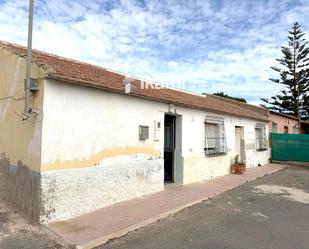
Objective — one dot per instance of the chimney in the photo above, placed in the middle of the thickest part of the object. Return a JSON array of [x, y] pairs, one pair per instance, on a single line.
[[127, 84]]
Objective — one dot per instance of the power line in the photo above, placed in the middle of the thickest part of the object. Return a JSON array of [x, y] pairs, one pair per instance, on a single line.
[[277, 93], [99, 38], [280, 90]]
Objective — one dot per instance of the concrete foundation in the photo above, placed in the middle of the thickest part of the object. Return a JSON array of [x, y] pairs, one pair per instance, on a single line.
[[69, 193]]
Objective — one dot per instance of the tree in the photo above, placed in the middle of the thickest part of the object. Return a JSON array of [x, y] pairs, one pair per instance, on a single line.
[[222, 94], [293, 99]]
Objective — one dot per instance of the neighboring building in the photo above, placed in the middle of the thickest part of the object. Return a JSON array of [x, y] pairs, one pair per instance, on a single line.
[[95, 141], [283, 123], [304, 127]]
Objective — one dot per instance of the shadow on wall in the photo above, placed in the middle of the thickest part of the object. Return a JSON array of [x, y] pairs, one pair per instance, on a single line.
[[20, 188]]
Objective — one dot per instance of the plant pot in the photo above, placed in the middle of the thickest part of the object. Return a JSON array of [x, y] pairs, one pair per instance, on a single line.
[[238, 168]]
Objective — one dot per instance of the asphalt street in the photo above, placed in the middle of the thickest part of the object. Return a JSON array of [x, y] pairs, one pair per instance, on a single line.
[[269, 213]]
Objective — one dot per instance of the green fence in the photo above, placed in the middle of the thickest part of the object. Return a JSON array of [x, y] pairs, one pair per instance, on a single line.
[[290, 147]]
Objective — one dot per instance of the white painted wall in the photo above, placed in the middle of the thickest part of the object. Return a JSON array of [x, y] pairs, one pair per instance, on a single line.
[[81, 122], [199, 167]]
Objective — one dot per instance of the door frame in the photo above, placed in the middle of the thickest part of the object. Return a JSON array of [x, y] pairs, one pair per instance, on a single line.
[[177, 162], [172, 161], [242, 150]]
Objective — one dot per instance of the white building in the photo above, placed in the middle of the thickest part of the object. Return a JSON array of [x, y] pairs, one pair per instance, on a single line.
[[94, 141]]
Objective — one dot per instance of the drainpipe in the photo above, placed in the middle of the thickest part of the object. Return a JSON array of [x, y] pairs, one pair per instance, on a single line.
[[27, 109]]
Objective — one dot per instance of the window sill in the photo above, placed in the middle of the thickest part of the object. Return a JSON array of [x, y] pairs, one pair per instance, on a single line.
[[262, 149], [216, 155]]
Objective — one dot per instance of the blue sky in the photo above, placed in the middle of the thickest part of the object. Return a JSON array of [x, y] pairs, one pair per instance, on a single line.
[[201, 46]]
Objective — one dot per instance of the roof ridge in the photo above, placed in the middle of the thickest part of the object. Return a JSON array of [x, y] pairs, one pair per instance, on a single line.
[[9, 44], [239, 104], [236, 101], [284, 114], [50, 54]]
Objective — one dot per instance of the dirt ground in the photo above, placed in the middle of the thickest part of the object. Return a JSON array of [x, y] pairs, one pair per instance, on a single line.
[[17, 233]]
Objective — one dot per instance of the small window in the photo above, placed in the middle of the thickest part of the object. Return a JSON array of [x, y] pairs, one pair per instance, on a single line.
[[274, 128], [261, 139], [215, 140], [286, 129]]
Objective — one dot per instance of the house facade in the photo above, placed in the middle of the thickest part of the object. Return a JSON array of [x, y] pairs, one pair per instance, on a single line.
[[283, 123], [95, 138]]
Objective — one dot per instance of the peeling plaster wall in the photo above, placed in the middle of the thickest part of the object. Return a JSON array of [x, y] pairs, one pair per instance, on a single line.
[[90, 146], [91, 153], [86, 153], [68, 193], [20, 141]]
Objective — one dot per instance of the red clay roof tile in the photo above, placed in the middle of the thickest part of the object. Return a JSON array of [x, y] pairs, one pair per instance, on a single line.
[[90, 75]]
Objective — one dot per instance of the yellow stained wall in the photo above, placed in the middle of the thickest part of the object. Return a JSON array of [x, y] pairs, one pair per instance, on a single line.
[[201, 168], [96, 158], [19, 140]]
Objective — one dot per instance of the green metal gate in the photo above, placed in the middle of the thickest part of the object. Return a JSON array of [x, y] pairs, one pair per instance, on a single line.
[[290, 147]]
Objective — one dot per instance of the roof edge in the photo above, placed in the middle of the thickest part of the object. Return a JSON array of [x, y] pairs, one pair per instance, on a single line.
[[89, 84], [53, 75], [284, 115]]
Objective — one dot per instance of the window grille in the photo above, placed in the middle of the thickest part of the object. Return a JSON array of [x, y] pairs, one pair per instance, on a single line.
[[261, 138], [215, 140]]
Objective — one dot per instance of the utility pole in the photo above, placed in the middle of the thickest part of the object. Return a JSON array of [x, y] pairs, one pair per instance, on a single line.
[[27, 109]]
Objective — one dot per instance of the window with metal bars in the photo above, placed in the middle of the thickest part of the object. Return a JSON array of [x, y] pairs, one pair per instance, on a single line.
[[215, 140], [261, 138]]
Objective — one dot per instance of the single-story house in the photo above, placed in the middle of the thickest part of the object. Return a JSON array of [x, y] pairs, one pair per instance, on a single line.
[[96, 138], [283, 123]]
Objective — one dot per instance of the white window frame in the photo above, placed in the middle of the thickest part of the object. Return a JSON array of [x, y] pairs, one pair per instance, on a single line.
[[215, 139], [261, 137]]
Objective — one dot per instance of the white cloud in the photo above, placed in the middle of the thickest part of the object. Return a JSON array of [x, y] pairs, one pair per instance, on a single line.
[[209, 45]]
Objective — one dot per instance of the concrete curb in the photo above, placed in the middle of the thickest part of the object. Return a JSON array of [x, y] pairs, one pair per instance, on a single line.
[[292, 163]]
